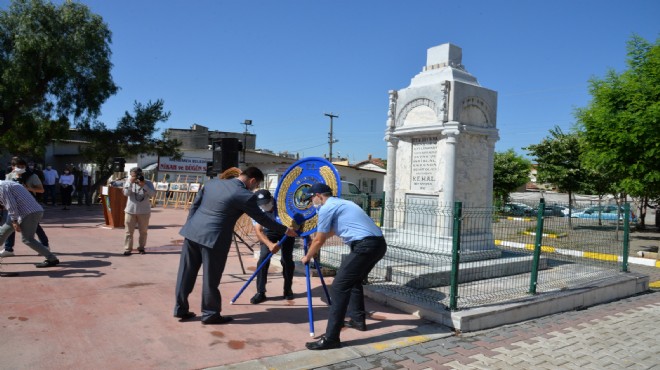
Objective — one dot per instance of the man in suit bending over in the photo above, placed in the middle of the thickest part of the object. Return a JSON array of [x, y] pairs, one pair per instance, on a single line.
[[208, 235]]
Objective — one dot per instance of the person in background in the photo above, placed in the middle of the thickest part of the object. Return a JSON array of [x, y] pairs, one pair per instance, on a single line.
[[24, 214], [40, 174], [347, 220], [138, 209], [32, 183], [66, 188], [229, 173], [50, 182], [83, 182], [268, 239]]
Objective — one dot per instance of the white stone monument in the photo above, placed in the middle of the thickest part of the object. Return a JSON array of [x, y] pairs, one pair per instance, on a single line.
[[441, 134]]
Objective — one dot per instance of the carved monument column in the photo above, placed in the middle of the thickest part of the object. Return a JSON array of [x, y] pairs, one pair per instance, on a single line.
[[392, 143], [449, 189]]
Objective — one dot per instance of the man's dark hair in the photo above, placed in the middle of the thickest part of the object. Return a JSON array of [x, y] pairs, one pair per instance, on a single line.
[[253, 173], [18, 161]]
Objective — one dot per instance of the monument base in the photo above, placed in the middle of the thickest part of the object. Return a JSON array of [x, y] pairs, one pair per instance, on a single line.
[[421, 260], [428, 245], [438, 273]]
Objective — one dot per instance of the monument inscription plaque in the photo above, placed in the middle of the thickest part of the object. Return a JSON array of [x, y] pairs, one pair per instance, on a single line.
[[424, 166]]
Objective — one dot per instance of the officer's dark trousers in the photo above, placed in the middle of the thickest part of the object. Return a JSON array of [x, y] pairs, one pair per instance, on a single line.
[[213, 260], [286, 259], [346, 291]]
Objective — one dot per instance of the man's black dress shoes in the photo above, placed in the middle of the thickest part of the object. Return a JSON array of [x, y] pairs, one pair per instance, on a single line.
[[355, 325], [217, 319], [186, 316], [323, 343], [258, 298]]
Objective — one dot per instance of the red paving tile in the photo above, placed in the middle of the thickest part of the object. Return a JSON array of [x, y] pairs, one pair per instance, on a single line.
[[100, 309]]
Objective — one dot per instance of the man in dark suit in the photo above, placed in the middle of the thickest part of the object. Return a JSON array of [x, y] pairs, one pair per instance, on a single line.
[[208, 235]]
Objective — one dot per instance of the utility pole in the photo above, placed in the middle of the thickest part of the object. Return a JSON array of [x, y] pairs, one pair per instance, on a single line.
[[247, 122], [330, 138]]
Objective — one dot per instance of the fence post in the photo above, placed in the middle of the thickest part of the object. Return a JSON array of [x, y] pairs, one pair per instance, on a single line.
[[455, 255], [626, 236], [537, 248], [382, 210], [369, 204]]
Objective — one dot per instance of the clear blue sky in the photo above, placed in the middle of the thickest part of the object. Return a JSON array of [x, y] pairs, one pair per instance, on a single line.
[[284, 63]]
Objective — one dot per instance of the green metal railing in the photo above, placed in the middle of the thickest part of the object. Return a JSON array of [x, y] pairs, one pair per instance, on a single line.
[[457, 256]]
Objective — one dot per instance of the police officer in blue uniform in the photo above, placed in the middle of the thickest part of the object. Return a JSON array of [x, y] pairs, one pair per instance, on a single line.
[[348, 221], [268, 239]]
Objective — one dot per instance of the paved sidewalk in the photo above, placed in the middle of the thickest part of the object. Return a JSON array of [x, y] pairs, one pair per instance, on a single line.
[[99, 309], [617, 335]]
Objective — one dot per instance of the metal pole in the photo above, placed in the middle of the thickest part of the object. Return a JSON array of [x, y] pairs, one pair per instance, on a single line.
[[455, 256], [310, 312], [247, 122], [330, 137], [537, 248], [626, 236]]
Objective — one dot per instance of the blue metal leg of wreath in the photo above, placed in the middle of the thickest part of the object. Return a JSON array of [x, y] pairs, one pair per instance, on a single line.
[[310, 312]]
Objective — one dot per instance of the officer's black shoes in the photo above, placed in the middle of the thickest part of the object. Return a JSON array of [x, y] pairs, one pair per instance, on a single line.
[[355, 325], [288, 295], [258, 298], [323, 343], [217, 319]]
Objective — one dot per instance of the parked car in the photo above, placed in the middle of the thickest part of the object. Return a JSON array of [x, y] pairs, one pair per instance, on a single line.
[[517, 209], [604, 212], [554, 210]]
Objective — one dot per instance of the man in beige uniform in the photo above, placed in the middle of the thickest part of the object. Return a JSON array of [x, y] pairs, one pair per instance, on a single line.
[[138, 209]]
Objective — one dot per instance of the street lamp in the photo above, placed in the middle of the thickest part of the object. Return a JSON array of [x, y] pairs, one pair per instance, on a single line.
[[247, 122]]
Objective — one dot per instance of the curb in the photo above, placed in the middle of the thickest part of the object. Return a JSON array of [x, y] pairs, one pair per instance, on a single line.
[[584, 254]]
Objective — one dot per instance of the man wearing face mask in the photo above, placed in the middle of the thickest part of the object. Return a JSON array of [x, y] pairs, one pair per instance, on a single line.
[[138, 209], [268, 239], [24, 214], [348, 221], [208, 235], [50, 182], [66, 188], [31, 181]]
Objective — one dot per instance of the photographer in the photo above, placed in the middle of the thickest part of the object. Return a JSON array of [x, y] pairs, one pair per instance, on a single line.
[[66, 188], [138, 209]]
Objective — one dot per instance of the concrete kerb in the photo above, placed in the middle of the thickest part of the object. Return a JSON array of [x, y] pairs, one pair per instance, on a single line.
[[486, 317], [351, 351]]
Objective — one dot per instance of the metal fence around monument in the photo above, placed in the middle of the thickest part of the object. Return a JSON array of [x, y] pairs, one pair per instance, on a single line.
[[464, 257]]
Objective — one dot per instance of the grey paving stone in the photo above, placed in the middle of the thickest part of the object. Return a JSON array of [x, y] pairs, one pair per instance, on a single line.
[[417, 358], [442, 350], [617, 335]]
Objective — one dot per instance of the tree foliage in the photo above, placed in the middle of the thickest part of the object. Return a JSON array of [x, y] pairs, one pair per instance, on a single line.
[[621, 124], [558, 159], [54, 67], [510, 172], [133, 135]]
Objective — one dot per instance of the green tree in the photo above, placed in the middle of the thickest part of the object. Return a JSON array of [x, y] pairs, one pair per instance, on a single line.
[[621, 123], [558, 159], [133, 135], [54, 67], [510, 172]]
